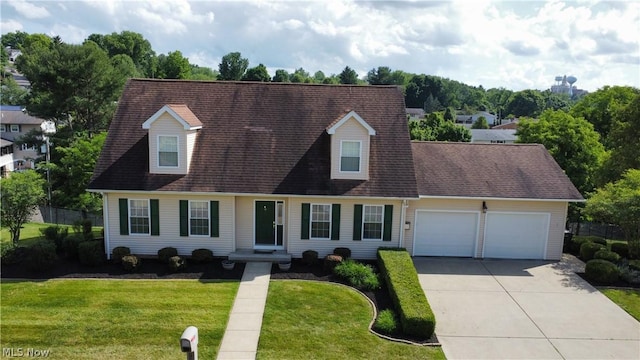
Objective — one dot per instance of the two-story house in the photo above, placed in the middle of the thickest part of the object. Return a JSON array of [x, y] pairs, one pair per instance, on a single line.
[[14, 123], [233, 166]]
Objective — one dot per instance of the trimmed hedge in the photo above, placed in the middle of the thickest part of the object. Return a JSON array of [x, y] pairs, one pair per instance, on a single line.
[[202, 256], [91, 253], [166, 253], [309, 257], [41, 256], [415, 314], [343, 251], [177, 263], [601, 271], [131, 263], [589, 249], [118, 253], [605, 254], [621, 249]]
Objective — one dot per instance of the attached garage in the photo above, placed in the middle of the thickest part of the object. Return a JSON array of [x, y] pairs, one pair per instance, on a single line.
[[445, 233], [516, 235]]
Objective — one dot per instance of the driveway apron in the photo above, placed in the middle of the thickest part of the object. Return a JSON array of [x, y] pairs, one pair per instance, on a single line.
[[524, 309]]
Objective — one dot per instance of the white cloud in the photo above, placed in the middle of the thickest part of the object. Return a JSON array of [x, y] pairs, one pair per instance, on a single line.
[[10, 26], [29, 10]]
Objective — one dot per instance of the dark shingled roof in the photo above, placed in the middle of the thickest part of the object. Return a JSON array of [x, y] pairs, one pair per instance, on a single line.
[[260, 138], [490, 170]]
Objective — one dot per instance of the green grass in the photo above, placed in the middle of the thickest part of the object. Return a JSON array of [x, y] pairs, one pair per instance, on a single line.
[[30, 232], [629, 300], [114, 319], [316, 320]]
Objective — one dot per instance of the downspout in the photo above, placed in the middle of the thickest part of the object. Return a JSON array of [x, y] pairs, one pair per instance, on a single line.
[[105, 224], [403, 211]]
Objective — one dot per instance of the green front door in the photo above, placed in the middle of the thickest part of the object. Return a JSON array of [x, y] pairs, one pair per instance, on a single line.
[[266, 223]]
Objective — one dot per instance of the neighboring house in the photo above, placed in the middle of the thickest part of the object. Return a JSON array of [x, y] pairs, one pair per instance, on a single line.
[[468, 120], [14, 123], [415, 113], [493, 136], [234, 166]]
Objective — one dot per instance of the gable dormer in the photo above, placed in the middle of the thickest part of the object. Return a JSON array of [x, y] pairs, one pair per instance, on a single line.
[[172, 137], [350, 145]]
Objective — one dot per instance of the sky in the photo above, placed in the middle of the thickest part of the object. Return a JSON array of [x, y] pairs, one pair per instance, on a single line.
[[512, 44]]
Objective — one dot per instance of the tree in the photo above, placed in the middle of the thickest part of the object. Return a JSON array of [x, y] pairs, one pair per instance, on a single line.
[[131, 44], [258, 73], [348, 76], [619, 203], [572, 142], [380, 76], [202, 73], [13, 40], [12, 93], [555, 101], [300, 76], [431, 104], [481, 123], [527, 103], [174, 66], [281, 76], [21, 192], [623, 141], [318, 77], [232, 67], [498, 99], [434, 128], [600, 107], [449, 115]]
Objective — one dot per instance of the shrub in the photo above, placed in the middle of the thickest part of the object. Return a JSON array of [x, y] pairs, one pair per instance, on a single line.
[[357, 274], [309, 257], [588, 249], [414, 313], [634, 249], [621, 249], [202, 256], [167, 252], [56, 234], [628, 273], [12, 254], [131, 263], [605, 254], [387, 322], [634, 264], [41, 256], [343, 251], [118, 253], [601, 271], [330, 262], [70, 245], [576, 243], [91, 253], [83, 227], [177, 263]]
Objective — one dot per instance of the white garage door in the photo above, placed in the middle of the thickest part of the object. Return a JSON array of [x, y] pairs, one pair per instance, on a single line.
[[445, 233], [516, 235]]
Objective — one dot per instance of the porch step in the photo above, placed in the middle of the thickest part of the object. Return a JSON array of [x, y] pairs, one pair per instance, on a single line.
[[250, 255]]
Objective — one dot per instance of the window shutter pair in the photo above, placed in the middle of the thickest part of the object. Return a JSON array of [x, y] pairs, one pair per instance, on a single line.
[[154, 212], [214, 215], [306, 221], [387, 225]]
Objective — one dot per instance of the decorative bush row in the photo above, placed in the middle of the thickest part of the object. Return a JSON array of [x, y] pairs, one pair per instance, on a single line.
[[601, 271], [202, 256], [358, 275], [415, 314], [577, 241], [588, 249], [166, 253], [621, 249], [605, 254], [91, 253]]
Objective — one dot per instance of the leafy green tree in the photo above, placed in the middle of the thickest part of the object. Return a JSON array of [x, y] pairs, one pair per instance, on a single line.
[[555, 101], [174, 66], [481, 123], [572, 142], [4, 59], [527, 103], [74, 170], [623, 140], [348, 76], [131, 44], [12, 93], [258, 73], [74, 85], [232, 67], [431, 104], [449, 115], [498, 99], [21, 192], [318, 77], [380, 76], [619, 203], [202, 73], [600, 107], [300, 76], [124, 66], [13, 40], [281, 76], [434, 128]]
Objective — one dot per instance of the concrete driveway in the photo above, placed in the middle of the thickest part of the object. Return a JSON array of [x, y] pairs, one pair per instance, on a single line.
[[524, 309]]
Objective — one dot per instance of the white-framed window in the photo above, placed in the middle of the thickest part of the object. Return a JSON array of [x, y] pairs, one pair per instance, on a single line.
[[25, 147], [372, 222], [15, 128], [3, 127], [167, 151], [199, 218], [350, 156], [139, 220], [320, 221]]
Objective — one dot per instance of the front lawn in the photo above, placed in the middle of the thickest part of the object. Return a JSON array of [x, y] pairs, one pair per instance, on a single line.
[[628, 299], [114, 319], [30, 232], [318, 320]]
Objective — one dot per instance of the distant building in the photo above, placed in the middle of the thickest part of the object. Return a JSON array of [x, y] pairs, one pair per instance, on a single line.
[[564, 85], [492, 136], [415, 113], [14, 123], [468, 120]]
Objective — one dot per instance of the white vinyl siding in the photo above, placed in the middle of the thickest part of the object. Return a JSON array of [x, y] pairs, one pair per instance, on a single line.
[[167, 126], [350, 131], [372, 222], [350, 156], [139, 219], [199, 218], [167, 151], [320, 221]]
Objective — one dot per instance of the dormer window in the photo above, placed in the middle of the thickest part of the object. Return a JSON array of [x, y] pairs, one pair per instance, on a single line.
[[167, 151], [350, 156]]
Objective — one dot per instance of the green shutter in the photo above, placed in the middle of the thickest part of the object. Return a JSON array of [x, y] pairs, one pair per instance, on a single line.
[[155, 217], [215, 218], [184, 218], [357, 222], [124, 216], [388, 222], [304, 223], [335, 222]]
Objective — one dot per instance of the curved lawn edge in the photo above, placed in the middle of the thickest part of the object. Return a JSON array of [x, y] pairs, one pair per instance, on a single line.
[[374, 311]]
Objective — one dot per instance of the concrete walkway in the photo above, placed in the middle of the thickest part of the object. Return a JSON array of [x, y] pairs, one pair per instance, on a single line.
[[524, 309], [240, 340]]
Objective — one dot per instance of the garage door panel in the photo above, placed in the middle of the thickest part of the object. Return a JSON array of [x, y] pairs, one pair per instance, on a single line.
[[445, 233], [516, 235]]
